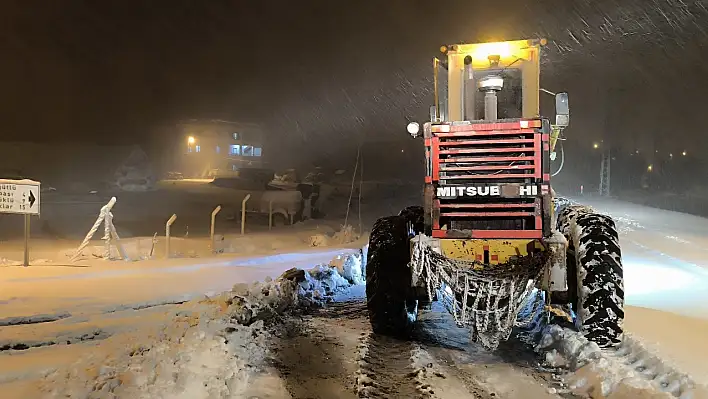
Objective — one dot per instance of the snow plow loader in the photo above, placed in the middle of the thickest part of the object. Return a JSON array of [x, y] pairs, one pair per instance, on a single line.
[[490, 239]]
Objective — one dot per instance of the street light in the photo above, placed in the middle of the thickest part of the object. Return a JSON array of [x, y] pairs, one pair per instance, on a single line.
[[595, 145], [650, 168], [190, 140], [683, 153]]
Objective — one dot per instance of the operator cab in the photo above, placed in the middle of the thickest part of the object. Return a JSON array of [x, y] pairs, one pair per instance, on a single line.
[[490, 81], [487, 146]]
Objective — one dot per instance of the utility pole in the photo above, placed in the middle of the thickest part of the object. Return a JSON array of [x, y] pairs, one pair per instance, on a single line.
[[611, 124], [605, 173]]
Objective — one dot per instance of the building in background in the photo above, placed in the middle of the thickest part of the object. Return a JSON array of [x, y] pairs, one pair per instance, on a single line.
[[215, 147]]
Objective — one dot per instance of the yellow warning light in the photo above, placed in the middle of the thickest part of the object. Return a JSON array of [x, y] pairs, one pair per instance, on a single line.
[[544, 42], [483, 50], [506, 52], [443, 49]]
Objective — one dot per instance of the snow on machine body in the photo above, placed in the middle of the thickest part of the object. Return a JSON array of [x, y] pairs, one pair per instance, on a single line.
[[490, 234]]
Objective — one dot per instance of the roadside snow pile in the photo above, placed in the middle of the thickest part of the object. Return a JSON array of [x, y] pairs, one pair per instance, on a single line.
[[214, 348], [296, 288], [626, 371], [200, 355], [320, 284], [9, 262], [351, 267], [345, 235]]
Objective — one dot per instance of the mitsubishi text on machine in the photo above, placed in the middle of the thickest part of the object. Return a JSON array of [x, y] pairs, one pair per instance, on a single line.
[[484, 191]]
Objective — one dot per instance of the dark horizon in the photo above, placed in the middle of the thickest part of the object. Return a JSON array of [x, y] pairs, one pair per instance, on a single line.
[[317, 74]]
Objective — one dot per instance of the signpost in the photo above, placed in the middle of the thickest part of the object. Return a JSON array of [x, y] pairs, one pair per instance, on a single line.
[[21, 197]]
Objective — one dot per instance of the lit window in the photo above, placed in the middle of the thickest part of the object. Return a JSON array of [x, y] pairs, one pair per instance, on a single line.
[[247, 151], [218, 149], [256, 151], [197, 148], [236, 136], [235, 149]]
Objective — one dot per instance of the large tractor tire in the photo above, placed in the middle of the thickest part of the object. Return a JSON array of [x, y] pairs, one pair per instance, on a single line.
[[599, 297], [389, 296]]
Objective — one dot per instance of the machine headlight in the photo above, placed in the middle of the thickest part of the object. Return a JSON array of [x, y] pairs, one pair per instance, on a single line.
[[491, 82], [413, 129]]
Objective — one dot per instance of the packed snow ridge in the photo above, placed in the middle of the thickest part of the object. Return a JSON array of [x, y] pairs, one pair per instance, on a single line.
[[628, 370], [215, 348]]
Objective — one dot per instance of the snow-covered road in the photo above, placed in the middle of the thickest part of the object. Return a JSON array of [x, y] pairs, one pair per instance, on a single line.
[[666, 272], [53, 289], [50, 316]]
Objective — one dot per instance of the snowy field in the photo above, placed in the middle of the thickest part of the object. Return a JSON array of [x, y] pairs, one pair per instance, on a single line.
[[146, 329]]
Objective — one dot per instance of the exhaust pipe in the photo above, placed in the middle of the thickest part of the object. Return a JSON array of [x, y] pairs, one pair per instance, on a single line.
[[490, 85], [468, 91], [491, 103]]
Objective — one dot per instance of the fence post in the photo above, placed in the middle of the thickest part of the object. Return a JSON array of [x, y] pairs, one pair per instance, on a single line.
[[152, 248], [243, 214], [27, 237], [107, 236], [114, 235], [270, 214], [213, 221], [167, 234], [102, 215]]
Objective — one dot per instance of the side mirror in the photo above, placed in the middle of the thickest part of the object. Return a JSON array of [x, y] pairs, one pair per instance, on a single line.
[[562, 110]]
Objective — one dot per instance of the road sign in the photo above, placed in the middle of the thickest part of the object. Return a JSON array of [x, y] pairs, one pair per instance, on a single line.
[[19, 196]]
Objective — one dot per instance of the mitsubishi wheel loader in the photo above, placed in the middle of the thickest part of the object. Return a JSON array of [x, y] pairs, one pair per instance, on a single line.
[[490, 238]]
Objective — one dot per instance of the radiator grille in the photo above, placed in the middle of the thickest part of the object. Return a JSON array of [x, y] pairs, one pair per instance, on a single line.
[[508, 155]]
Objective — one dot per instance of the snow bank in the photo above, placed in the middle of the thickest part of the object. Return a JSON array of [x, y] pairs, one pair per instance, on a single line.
[[345, 235], [628, 370], [351, 267], [214, 349]]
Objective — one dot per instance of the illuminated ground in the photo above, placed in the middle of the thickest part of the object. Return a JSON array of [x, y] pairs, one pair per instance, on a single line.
[[665, 269]]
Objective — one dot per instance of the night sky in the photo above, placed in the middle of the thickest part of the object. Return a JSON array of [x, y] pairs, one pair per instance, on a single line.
[[331, 73]]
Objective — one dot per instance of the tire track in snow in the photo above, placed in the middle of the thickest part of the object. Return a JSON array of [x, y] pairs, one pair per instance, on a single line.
[[34, 319], [386, 367], [387, 370], [310, 363], [332, 353]]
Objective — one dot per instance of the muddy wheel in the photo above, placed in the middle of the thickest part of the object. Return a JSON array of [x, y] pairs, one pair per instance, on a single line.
[[392, 309], [600, 279], [560, 203]]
